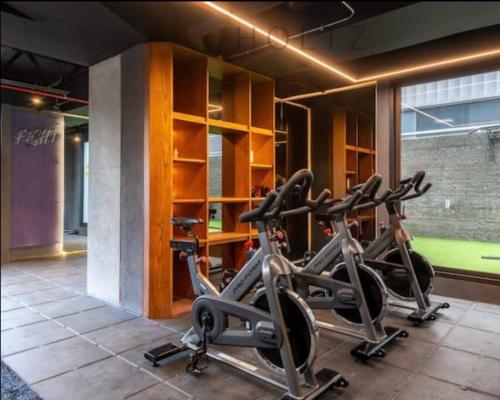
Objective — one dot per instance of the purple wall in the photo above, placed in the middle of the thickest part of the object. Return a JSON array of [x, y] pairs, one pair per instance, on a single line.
[[37, 179]]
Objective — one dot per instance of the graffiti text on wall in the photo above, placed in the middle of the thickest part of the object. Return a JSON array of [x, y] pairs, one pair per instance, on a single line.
[[36, 137]]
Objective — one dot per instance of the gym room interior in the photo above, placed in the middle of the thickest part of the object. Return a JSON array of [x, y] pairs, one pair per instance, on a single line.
[[250, 200]]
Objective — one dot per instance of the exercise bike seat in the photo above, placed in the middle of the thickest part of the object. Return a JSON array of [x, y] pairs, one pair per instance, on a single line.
[[186, 221]]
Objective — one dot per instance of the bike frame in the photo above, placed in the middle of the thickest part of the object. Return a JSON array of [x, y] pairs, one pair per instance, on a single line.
[[396, 234]]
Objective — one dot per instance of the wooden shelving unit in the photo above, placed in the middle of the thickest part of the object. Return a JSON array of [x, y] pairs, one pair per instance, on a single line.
[[354, 155], [190, 97]]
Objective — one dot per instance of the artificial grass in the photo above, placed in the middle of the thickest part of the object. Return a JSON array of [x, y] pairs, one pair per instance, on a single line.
[[461, 254], [214, 225]]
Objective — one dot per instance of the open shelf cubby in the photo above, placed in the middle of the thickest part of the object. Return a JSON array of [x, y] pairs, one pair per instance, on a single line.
[[189, 140], [189, 181], [228, 255], [262, 104], [205, 118], [224, 220], [228, 93], [189, 83], [262, 150], [354, 155]]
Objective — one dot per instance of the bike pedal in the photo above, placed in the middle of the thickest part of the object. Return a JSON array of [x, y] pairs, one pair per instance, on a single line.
[[165, 351]]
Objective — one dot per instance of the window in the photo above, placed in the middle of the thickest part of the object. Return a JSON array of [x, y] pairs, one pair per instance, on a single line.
[[451, 130]]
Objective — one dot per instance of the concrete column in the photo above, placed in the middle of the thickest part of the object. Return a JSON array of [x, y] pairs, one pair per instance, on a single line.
[[116, 179], [103, 263]]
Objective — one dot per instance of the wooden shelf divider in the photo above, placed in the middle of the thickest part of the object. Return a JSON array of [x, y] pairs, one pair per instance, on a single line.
[[182, 83], [189, 118], [354, 155]]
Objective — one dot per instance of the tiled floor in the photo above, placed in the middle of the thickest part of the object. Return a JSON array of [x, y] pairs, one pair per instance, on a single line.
[[65, 344]]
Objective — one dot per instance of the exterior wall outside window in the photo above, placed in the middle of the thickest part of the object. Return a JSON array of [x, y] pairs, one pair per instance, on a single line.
[[451, 130]]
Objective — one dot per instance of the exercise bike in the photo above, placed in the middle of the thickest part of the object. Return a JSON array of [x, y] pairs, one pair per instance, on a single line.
[[352, 291], [281, 327], [408, 276]]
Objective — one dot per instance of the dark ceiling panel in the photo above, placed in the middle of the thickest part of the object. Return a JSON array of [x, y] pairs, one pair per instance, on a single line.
[[79, 32], [380, 34]]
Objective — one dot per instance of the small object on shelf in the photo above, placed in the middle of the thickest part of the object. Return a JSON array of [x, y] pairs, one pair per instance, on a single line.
[[251, 156], [260, 191], [176, 153]]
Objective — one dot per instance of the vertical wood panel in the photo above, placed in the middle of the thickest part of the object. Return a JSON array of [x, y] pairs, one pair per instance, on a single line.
[[158, 272], [339, 152]]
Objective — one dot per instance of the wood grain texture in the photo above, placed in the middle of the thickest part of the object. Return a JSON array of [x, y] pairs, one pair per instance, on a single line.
[[178, 166], [158, 271]]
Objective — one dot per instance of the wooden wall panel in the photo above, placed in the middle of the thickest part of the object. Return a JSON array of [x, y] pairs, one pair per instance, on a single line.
[[158, 268]]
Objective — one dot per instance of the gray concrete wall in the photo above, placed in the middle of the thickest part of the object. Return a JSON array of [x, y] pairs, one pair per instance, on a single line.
[[460, 171], [133, 84], [103, 263], [117, 138]]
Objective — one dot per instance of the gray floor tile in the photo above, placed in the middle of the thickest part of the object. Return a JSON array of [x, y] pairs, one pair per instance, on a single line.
[[219, 382], [10, 304], [30, 336], [54, 359], [68, 306], [28, 287], [95, 319], [453, 301], [78, 288], [430, 331], [180, 324], [482, 320], [474, 341], [465, 369], [494, 308], [408, 353], [17, 279], [109, 379], [423, 387], [127, 335], [19, 317], [449, 315], [162, 391], [73, 279], [60, 272], [371, 381], [167, 369], [10, 270], [44, 296]]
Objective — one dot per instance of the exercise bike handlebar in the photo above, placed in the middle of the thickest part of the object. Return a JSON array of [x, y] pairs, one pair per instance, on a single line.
[[418, 192], [406, 185], [353, 199], [260, 213], [374, 202], [301, 179], [310, 205]]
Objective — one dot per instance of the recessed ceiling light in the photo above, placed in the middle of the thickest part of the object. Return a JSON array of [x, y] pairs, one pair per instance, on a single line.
[[36, 101]]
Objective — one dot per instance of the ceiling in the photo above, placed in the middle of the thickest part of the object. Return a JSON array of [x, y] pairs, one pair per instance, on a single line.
[[378, 35]]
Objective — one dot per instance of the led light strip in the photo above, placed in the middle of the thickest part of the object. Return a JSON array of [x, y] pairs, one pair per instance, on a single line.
[[337, 70], [279, 41], [440, 63]]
